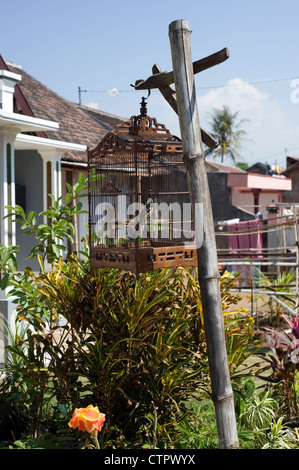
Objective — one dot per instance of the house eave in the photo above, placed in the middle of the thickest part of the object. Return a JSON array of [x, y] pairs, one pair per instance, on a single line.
[[26, 123], [31, 142], [257, 181]]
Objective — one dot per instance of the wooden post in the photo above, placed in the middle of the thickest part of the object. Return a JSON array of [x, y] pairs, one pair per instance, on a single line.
[[208, 272]]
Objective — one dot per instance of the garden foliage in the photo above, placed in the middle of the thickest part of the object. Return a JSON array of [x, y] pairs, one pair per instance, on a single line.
[[132, 345]]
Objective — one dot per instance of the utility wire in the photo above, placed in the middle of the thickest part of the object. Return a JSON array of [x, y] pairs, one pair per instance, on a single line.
[[115, 91], [257, 82]]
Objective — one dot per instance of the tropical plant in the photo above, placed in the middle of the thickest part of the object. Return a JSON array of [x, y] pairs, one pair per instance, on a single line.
[[293, 438], [241, 344], [280, 286], [26, 373], [132, 345], [52, 234], [260, 412], [14, 413], [283, 360], [243, 166], [198, 429], [142, 350], [278, 436], [258, 415], [127, 343], [225, 129]]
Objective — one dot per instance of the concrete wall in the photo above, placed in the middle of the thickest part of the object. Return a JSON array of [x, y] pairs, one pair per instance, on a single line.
[[221, 198], [293, 196]]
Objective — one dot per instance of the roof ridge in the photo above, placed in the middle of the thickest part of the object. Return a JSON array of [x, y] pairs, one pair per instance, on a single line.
[[99, 111], [71, 103]]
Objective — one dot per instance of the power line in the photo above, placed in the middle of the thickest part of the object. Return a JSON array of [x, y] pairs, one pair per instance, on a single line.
[[112, 92], [115, 91], [257, 82], [278, 154]]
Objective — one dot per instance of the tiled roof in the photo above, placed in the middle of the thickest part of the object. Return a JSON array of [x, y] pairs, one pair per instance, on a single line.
[[215, 167], [77, 123]]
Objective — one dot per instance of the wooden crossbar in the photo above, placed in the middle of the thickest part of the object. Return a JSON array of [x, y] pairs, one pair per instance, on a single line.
[[162, 79]]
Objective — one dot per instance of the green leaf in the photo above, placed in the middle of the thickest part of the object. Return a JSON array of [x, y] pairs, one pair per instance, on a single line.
[[68, 198], [31, 217], [4, 281], [81, 179]]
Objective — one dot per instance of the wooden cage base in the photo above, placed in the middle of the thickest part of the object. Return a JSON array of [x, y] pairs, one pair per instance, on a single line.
[[142, 259]]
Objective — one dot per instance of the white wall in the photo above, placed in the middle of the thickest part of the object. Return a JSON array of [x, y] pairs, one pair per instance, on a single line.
[[245, 200], [29, 174]]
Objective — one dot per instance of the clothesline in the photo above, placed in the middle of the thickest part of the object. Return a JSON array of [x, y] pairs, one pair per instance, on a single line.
[[264, 248], [263, 228], [245, 246]]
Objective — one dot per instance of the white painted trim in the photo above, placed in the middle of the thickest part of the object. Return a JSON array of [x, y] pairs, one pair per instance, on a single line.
[[65, 162], [7, 85], [26, 123], [13, 77], [24, 141]]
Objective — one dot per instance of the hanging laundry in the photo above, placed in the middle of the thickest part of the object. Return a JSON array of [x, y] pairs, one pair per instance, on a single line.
[[247, 238], [246, 243]]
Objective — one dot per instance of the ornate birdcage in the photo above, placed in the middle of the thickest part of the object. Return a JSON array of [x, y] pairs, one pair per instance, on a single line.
[[139, 208]]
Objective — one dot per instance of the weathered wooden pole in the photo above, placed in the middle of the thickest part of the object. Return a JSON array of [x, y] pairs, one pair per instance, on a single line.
[[208, 271]]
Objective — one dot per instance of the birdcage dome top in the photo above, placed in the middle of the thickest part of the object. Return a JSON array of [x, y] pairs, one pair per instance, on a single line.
[[141, 134]]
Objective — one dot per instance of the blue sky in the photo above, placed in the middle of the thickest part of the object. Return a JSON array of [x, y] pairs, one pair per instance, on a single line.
[[101, 45]]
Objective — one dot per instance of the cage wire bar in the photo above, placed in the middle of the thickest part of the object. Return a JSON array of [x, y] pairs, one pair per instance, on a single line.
[[139, 166], [139, 207]]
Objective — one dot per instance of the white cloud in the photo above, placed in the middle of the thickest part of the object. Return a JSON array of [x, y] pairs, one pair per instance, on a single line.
[[113, 92], [237, 94], [270, 129], [93, 105]]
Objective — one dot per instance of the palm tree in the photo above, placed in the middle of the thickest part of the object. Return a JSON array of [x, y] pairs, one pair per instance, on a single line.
[[225, 130]]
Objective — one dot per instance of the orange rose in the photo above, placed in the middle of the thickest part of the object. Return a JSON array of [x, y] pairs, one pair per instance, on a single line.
[[88, 419]]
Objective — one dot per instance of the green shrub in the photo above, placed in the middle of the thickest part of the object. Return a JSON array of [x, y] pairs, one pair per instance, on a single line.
[[132, 345]]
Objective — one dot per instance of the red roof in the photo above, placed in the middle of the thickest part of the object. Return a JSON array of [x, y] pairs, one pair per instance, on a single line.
[[215, 167], [77, 123]]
